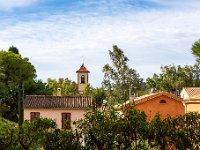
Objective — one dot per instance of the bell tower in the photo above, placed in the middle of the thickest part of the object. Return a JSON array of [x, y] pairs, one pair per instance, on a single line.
[[82, 78]]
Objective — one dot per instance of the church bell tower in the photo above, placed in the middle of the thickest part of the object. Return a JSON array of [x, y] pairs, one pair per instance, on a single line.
[[82, 78]]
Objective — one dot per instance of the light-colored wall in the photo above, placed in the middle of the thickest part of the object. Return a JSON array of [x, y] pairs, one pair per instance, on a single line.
[[56, 114], [152, 107], [192, 107], [184, 94], [81, 86]]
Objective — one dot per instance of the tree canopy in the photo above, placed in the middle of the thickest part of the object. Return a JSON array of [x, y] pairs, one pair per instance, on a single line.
[[67, 86], [175, 78], [119, 78], [196, 50], [14, 70], [13, 49]]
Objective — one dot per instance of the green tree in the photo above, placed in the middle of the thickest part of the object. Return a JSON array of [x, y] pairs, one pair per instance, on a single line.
[[14, 71], [108, 129], [8, 134], [37, 87], [32, 134], [62, 140], [118, 77], [196, 50], [181, 132], [88, 90], [175, 78], [13, 49], [98, 95], [67, 86]]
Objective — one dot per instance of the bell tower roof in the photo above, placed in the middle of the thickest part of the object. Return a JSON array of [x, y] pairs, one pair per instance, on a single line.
[[83, 69]]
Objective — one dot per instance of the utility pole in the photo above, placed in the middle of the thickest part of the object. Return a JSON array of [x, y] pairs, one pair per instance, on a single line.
[[21, 103]]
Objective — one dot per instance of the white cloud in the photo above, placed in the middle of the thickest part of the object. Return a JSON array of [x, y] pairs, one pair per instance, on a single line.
[[180, 4], [7, 5], [149, 38]]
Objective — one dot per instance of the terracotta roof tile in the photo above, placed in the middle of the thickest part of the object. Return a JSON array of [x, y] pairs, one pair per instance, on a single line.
[[42, 101], [154, 95], [83, 69], [193, 91], [196, 97], [147, 97]]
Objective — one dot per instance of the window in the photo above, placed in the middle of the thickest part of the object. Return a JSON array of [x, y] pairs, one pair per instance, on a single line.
[[162, 101], [66, 120], [83, 79], [34, 115]]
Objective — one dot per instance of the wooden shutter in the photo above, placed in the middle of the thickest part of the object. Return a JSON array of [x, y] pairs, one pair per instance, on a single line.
[[66, 120], [34, 115]]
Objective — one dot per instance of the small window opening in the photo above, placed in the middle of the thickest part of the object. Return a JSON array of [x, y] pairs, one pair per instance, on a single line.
[[83, 79], [162, 102], [34, 115], [66, 120]]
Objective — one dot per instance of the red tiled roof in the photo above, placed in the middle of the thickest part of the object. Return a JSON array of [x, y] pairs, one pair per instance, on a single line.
[[193, 91], [196, 97], [42, 101], [154, 95], [147, 97], [83, 69]]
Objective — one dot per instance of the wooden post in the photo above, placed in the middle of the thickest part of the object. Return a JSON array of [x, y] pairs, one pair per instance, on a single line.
[[21, 103]]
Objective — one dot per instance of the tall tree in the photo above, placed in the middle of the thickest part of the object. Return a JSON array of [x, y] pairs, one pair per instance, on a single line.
[[88, 90], [37, 87], [175, 78], [14, 71], [98, 96], [67, 86], [118, 77], [196, 50], [13, 49]]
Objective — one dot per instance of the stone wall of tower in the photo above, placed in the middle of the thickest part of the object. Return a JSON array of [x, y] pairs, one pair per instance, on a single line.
[[81, 86]]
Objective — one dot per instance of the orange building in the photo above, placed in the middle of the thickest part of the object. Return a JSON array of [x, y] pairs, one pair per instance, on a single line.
[[162, 102]]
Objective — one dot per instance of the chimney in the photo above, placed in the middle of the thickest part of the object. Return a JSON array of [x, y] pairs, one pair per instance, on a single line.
[[58, 92]]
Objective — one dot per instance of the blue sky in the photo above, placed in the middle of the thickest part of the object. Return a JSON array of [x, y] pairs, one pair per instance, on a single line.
[[55, 34]]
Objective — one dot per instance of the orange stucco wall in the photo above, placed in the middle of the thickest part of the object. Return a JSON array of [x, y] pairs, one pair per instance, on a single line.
[[55, 114], [152, 107]]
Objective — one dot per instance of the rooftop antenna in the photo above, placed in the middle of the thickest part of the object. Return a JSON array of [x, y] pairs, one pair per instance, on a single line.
[[82, 59]]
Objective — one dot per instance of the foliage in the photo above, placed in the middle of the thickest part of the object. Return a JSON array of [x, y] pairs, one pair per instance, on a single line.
[[105, 129], [88, 90], [98, 95], [108, 129], [181, 132], [37, 87], [13, 49], [196, 50], [14, 70], [118, 77], [62, 139], [175, 78], [67, 86], [8, 134], [32, 134]]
